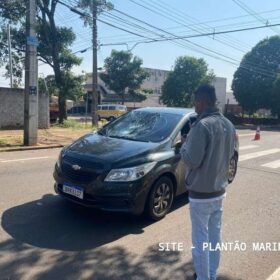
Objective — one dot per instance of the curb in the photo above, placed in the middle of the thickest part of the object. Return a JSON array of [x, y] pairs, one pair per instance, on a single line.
[[28, 148]]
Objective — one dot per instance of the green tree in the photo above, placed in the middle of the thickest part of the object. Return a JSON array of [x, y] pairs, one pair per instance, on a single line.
[[255, 81], [188, 74], [73, 85], [275, 100], [54, 43], [87, 8], [123, 73]]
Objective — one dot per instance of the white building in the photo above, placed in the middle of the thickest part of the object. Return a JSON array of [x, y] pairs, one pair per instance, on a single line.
[[230, 98], [155, 82], [220, 85]]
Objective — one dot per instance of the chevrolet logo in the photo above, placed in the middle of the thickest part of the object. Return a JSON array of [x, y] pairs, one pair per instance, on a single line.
[[76, 167]]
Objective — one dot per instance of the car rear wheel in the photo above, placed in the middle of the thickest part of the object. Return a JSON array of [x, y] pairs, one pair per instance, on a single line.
[[112, 119], [232, 169], [160, 198]]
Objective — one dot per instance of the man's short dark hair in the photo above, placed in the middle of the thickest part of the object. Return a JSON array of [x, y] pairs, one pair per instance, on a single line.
[[206, 92]]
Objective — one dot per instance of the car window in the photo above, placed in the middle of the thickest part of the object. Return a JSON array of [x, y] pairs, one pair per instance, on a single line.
[[112, 107], [104, 107], [183, 131], [186, 128], [193, 119], [99, 107], [122, 108], [143, 126]]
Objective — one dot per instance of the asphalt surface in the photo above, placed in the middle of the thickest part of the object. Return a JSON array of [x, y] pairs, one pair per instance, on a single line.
[[44, 237]]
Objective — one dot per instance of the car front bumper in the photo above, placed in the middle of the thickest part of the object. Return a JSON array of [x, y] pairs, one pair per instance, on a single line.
[[111, 196]]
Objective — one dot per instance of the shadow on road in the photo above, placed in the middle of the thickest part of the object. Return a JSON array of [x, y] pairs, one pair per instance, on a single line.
[[54, 223], [115, 263], [57, 240]]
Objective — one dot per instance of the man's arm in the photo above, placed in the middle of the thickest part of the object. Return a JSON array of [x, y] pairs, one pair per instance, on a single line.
[[193, 149]]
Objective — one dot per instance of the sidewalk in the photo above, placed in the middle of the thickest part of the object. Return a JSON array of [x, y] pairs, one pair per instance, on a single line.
[[11, 140]]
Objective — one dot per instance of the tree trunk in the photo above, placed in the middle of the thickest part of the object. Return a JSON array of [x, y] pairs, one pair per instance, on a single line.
[[123, 97], [62, 109], [57, 71]]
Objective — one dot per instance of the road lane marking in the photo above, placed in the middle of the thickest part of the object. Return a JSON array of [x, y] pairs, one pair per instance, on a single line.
[[248, 134], [275, 275], [24, 159], [248, 147], [273, 164], [258, 154]]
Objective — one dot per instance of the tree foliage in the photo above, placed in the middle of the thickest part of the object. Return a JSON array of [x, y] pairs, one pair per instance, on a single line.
[[275, 100], [87, 8], [54, 43], [256, 84], [188, 74], [123, 72], [73, 85]]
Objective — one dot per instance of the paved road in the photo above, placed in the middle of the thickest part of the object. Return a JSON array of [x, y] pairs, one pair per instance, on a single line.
[[44, 237]]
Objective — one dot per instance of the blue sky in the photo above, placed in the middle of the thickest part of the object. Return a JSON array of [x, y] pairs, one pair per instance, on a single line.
[[178, 17]]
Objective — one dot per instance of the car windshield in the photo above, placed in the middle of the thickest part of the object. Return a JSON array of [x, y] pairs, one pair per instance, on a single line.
[[142, 126]]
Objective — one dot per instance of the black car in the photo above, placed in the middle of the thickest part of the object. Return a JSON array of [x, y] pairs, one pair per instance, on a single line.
[[132, 164]]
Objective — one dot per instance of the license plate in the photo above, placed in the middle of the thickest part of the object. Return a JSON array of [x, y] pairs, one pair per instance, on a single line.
[[73, 190]]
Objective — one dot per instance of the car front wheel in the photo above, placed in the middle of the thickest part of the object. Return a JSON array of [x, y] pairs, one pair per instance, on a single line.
[[160, 198]]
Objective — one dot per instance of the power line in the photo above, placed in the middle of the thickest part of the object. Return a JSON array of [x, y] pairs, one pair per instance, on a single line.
[[165, 13], [260, 68], [191, 20], [107, 23], [253, 13], [83, 14], [197, 45], [214, 33], [197, 35], [127, 36], [235, 17]]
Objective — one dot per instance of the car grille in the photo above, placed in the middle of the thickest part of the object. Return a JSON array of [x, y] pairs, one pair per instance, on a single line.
[[88, 172]]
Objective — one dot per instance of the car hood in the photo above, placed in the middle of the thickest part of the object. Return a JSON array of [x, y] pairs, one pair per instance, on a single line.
[[110, 150]]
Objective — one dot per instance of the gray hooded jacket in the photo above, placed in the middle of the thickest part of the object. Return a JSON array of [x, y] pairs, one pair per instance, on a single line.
[[207, 153]]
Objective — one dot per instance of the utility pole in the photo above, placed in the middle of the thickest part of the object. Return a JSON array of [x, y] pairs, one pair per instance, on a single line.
[[31, 78], [94, 93], [10, 57], [86, 109], [94, 65]]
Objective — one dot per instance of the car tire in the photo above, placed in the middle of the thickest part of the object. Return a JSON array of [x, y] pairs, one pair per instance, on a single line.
[[112, 119], [160, 198], [99, 118], [232, 168]]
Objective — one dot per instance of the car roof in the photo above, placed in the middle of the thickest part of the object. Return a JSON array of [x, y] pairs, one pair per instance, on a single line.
[[111, 105], [170, 110]]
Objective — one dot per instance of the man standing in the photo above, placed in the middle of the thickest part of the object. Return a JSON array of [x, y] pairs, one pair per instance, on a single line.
[[207, 152]]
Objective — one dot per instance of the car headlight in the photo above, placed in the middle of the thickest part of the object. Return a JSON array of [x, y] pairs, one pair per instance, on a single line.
[[129, 174]]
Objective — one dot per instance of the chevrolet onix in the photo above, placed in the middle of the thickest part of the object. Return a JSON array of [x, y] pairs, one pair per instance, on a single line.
[[131, 165]]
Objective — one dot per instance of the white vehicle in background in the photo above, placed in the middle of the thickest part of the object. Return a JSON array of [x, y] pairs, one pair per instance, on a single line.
[[110, 111]]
